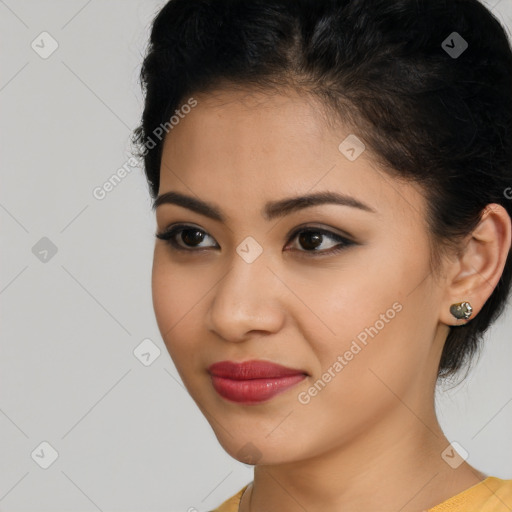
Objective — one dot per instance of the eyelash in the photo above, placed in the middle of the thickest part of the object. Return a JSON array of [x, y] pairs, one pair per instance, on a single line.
[[169, 234]]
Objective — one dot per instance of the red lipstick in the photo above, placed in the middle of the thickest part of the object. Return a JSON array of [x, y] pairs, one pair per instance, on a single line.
[[253, 381]]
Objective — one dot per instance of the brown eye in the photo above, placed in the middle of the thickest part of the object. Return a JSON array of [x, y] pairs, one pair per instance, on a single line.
[[190, 237], [313, 238], [310, 239]]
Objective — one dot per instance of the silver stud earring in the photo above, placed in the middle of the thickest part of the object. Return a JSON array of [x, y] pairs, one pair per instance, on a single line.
[[461, 310]]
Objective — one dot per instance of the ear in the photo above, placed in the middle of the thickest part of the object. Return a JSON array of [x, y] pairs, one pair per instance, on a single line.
[[473, 276]]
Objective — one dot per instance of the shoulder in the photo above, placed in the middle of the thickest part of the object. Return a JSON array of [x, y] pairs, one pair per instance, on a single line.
[[490, 495], [231, 504]]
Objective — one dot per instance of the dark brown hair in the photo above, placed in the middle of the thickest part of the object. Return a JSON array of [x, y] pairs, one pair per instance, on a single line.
[[427, 114]]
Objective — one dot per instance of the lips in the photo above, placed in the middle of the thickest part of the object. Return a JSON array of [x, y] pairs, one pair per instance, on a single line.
[[255, 369], [252, 382]]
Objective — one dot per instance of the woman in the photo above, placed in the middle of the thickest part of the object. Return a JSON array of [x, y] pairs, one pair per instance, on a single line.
[[332, 193]]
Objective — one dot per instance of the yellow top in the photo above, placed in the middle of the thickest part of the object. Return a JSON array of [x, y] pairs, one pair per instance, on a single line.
[[490, 495]]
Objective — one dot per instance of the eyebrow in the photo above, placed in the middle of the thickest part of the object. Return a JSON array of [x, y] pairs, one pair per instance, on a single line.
[[272, 209]]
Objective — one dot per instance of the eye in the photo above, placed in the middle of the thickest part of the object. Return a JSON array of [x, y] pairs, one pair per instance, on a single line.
[[314, 238], [310, 238], [188, 235]]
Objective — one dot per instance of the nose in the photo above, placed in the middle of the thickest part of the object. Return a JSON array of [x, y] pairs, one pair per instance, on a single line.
[[246, 300]]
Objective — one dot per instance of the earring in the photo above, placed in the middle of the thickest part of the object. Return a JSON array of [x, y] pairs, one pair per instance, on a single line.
[[461, 310]]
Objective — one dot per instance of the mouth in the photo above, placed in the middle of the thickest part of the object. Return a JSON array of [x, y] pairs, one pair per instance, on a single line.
[[253, 382]]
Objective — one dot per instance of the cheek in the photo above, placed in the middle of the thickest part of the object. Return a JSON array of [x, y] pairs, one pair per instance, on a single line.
[[373, 322], [362, 373], [176, 296]]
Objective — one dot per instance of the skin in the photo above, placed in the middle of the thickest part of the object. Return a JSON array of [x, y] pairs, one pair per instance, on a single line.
[[373, 426]]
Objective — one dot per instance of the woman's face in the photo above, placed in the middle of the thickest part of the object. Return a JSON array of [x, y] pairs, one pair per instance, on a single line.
[[362, 322]]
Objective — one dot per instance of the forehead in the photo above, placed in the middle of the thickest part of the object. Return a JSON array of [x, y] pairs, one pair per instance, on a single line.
[[252, 136], [248, 123], [243, 144]]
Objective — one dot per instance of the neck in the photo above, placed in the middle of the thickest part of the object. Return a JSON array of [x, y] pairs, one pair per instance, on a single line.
[[396, 465]]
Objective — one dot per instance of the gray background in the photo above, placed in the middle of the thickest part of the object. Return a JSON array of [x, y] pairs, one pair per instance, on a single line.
[[128, 436]]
